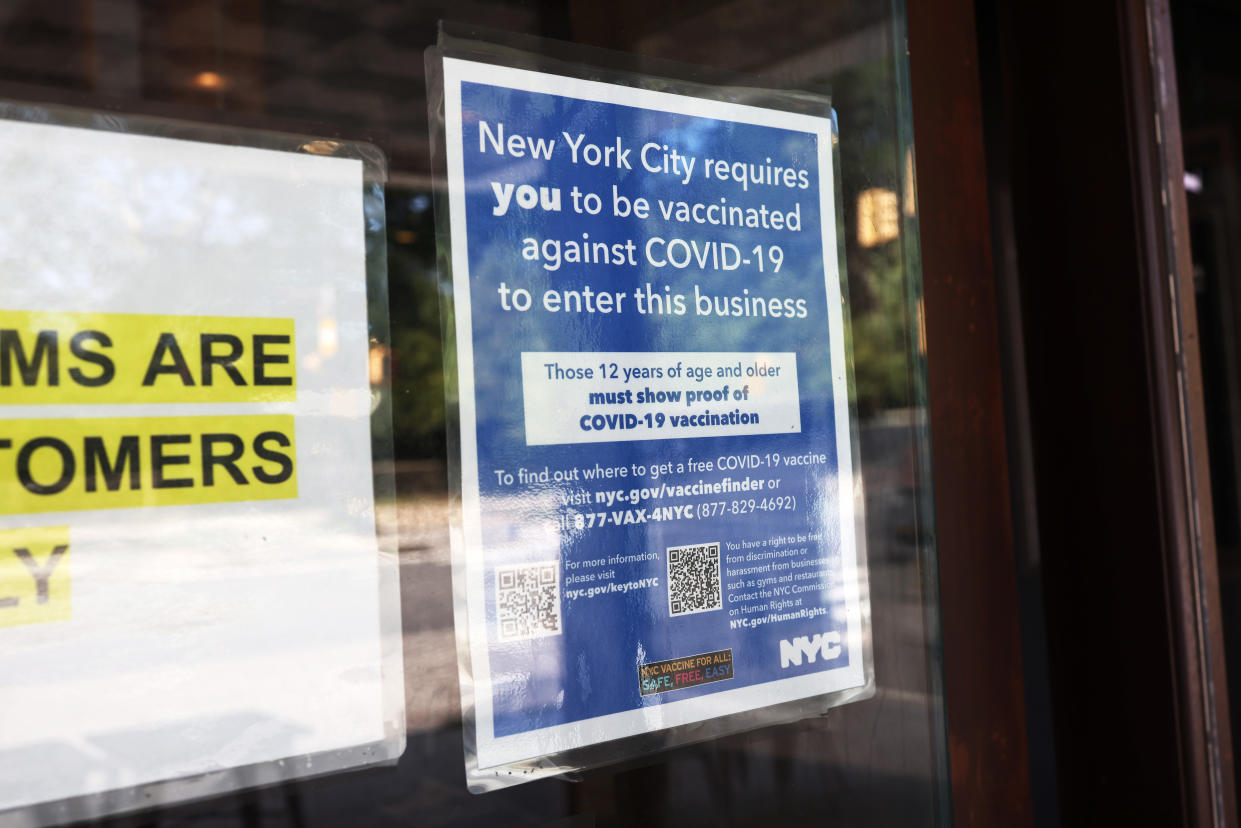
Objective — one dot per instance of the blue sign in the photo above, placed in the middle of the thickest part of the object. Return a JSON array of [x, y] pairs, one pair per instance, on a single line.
[[659, 505]]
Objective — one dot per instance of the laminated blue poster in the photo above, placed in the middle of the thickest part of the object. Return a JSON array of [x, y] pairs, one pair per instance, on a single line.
[[660, 510]]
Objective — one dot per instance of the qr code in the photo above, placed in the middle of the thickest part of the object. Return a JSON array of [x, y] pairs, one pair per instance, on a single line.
[[528, 600], [694, 578]]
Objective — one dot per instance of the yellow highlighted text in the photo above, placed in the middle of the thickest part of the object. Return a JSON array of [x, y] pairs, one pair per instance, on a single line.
[[34, 575], [51, 358], [62, 465]]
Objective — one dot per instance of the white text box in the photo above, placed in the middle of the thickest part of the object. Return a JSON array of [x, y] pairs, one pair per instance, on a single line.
[[604, 397]]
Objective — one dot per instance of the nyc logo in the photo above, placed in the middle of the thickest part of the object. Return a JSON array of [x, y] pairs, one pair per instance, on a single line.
[[811, 648]]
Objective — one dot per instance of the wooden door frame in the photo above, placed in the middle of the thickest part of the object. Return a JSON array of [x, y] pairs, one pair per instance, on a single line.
[[984, 693], [1015, 337]]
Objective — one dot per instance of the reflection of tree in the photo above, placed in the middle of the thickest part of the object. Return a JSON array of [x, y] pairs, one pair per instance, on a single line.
[[879, 345], [417, 355], [870, 156]]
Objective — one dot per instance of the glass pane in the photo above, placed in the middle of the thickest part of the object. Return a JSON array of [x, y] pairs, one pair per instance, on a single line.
[[355, 70]]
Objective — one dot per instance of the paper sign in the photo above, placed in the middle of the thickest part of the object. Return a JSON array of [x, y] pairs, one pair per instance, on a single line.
[[190, 582], [659, 514]]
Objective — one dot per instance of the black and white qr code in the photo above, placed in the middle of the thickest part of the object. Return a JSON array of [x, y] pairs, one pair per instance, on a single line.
[[694, 578], [528, 600]]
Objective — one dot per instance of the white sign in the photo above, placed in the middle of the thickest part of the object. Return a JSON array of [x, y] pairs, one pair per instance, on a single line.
[[189, 575]]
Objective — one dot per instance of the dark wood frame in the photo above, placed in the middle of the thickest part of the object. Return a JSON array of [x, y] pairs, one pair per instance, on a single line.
[[1067, 417], [1176, 367], [982, 647]]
